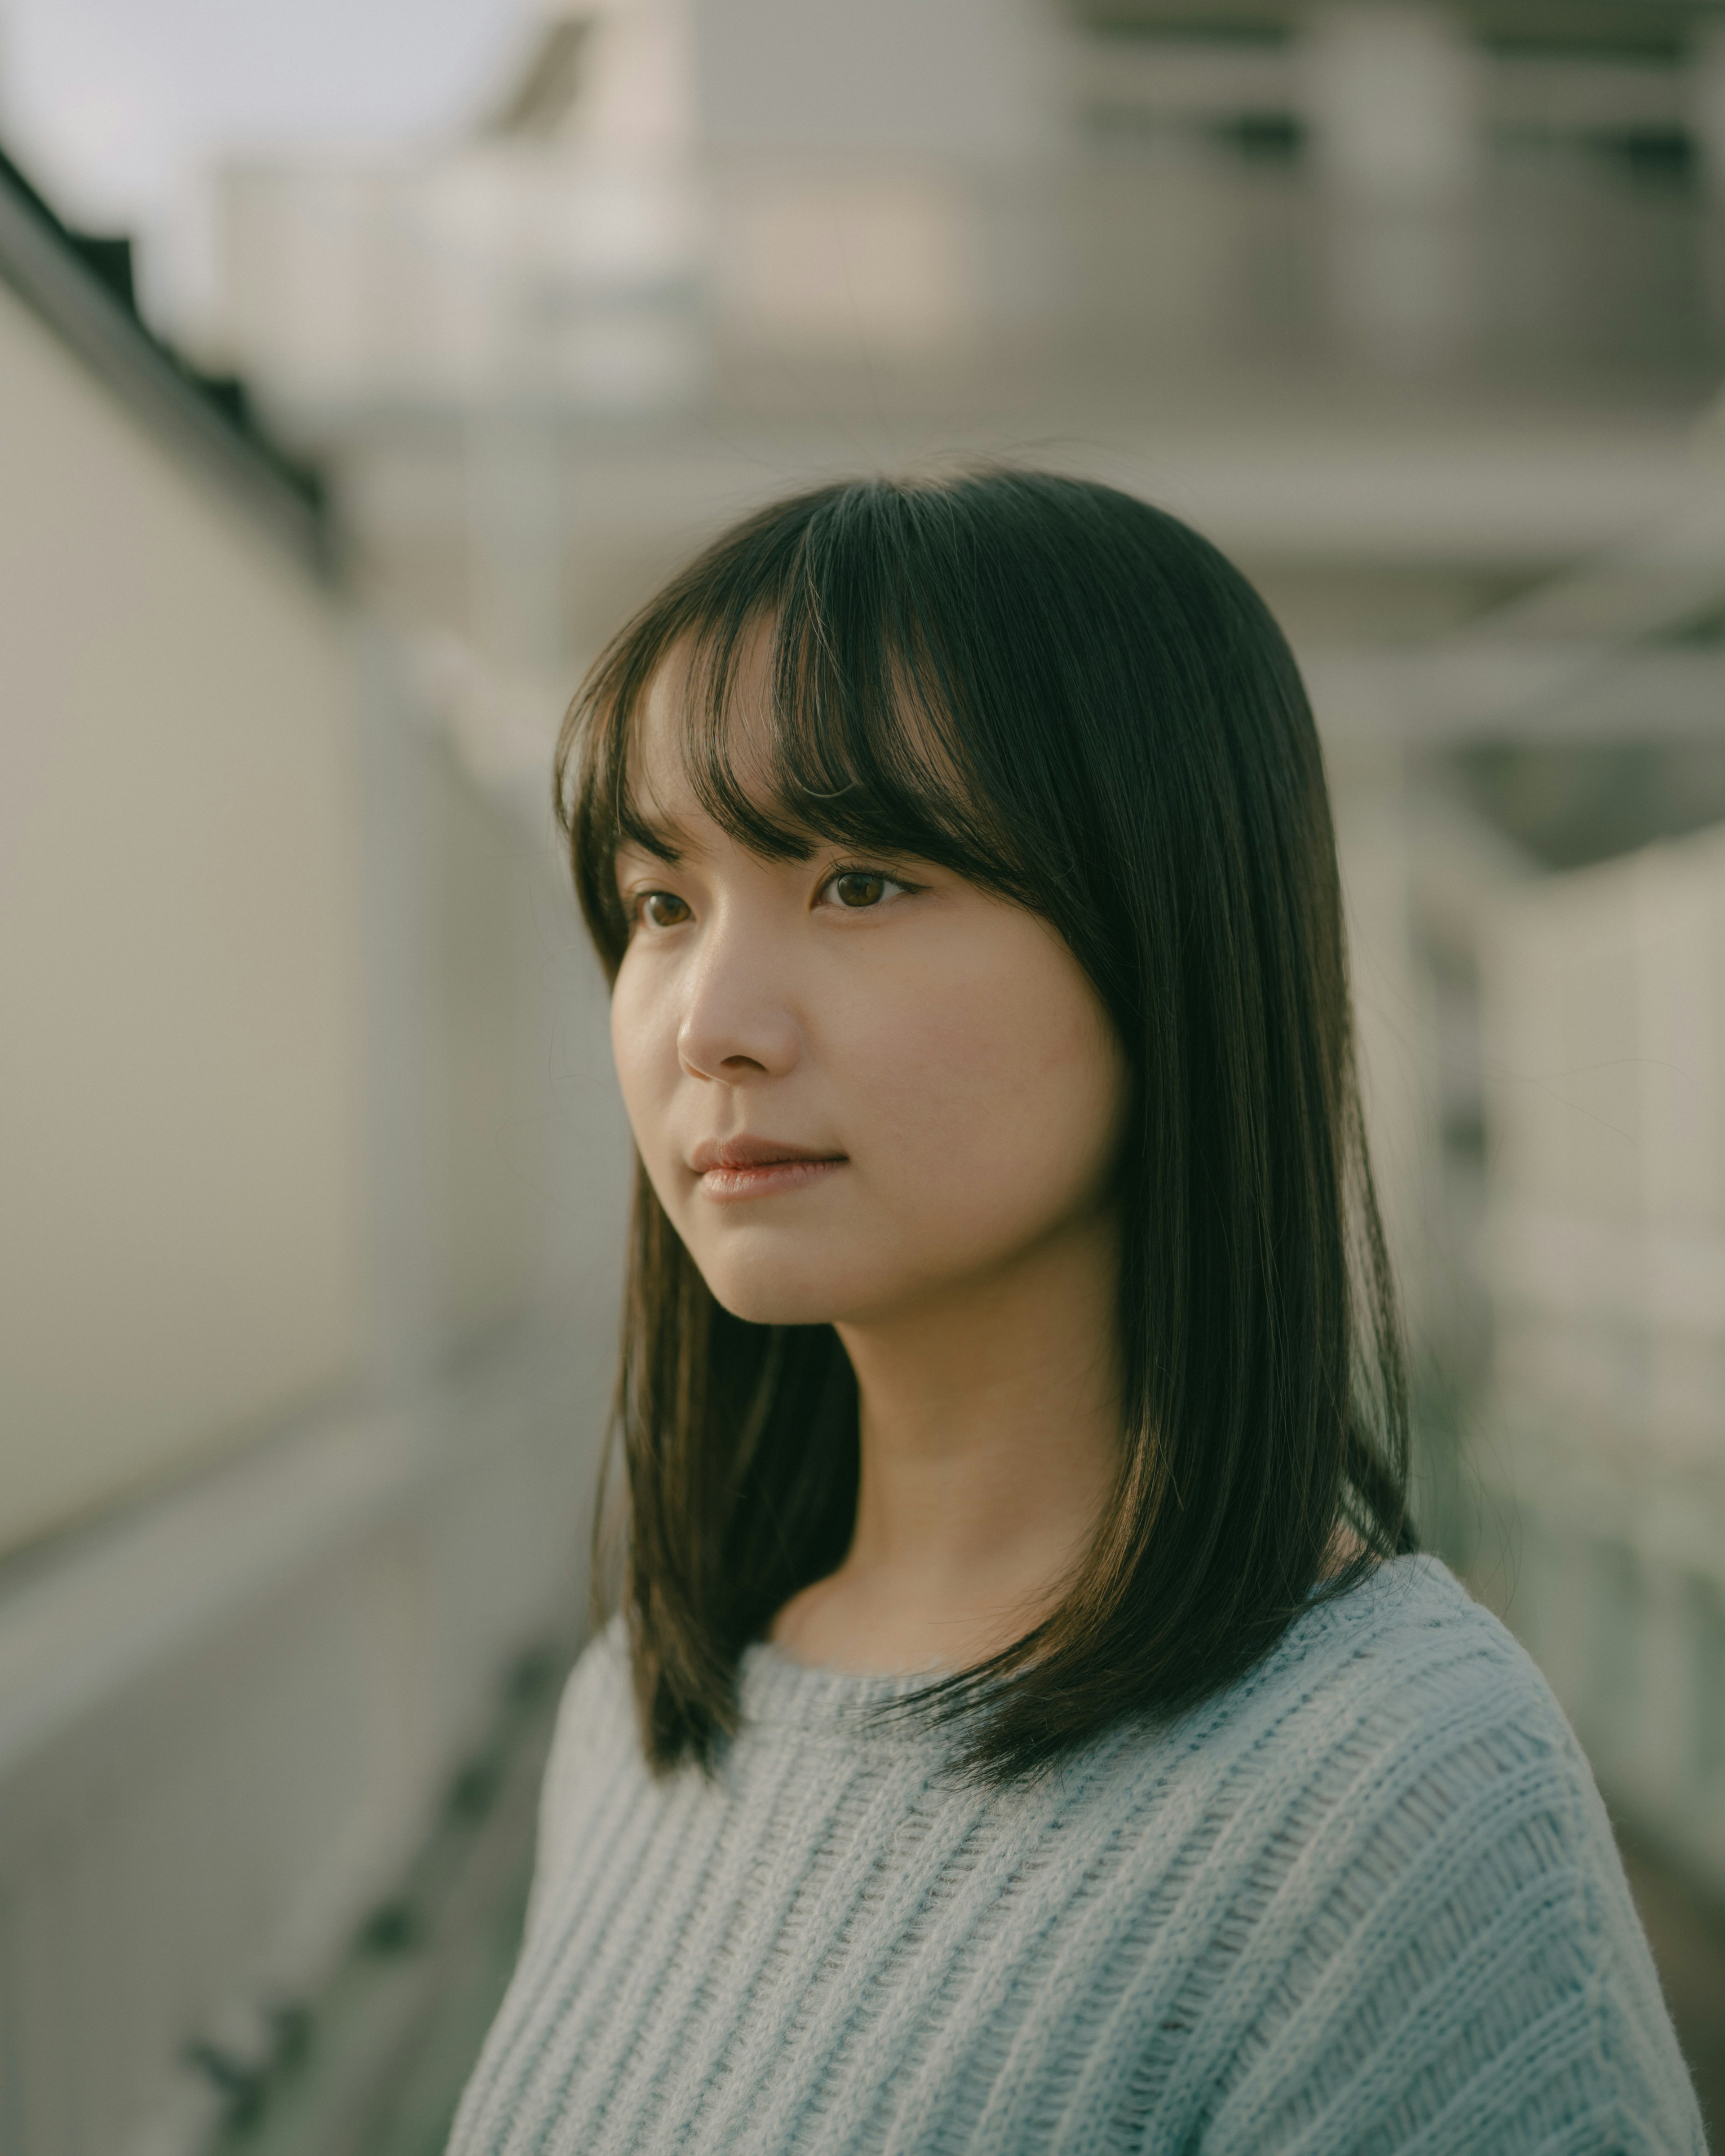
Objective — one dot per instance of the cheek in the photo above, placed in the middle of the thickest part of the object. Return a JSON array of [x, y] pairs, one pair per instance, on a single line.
[[998, 1091], [644, 1048]]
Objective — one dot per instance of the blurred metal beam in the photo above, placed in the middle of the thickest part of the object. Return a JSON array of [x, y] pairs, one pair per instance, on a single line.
[[1550, 693], [1577, 695], [1628, 647]]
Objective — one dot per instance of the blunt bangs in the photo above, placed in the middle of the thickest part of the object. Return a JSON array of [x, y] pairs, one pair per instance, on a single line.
[[1071, 699], [820, 700]]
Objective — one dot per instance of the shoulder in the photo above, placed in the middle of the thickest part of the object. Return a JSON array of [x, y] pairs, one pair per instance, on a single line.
[[1412, 1621], [1413, 1611], [597, 1708], [595, 1740], [1405, 1658], [1437, 1901], [1403, 1719]]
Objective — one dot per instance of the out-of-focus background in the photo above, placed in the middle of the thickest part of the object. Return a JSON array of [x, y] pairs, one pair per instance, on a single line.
[[448, 328]]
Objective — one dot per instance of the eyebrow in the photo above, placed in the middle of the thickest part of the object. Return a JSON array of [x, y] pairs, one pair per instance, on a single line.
[[666, 840], [671, 842]]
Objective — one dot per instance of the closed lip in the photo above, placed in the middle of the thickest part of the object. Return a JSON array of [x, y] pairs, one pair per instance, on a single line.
[[752, 1152]]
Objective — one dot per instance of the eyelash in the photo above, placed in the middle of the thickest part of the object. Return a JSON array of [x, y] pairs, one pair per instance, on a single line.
[[636, 901], [844, 869]]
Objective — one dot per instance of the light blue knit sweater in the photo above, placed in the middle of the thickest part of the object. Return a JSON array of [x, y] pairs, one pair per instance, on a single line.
[[1367, 1900]]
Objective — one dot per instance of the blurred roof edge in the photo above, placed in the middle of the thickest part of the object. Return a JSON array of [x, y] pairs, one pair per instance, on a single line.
[[543, 91], [80, 285], [1623, 27]]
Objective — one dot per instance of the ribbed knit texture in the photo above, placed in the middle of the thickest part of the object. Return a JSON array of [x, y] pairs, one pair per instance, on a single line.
[[1366, 1900]]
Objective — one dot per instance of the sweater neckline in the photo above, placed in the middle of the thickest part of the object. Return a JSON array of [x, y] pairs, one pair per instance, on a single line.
[[772, 1686]]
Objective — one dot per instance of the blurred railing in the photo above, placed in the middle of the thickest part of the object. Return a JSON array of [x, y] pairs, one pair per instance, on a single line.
[[1603, 1439], [226, 1724], [1068, 198], [504, 271]]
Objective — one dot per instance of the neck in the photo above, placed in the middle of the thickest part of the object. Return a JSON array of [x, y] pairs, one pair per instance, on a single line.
[[989, 1436]]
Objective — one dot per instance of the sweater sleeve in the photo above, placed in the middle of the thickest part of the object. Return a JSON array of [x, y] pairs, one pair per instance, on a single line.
[[1448, 1959]]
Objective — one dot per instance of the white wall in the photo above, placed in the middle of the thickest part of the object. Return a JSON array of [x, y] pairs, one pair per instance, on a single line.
[[312, 1183], [182, 1230]]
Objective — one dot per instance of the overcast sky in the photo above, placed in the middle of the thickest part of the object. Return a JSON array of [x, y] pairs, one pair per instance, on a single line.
[[116, 107]]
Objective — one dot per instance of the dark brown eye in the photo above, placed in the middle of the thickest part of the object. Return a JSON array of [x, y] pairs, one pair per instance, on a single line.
[[663, 909], [859, 887]]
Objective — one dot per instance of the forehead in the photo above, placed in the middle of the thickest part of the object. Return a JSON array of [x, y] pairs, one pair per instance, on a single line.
[[672, 722]]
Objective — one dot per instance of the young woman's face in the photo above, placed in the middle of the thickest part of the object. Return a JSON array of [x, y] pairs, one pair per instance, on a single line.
[[856, 1084]]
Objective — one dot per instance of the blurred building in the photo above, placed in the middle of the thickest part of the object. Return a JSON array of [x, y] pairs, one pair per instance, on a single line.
[[1418, 310], [1416, 290]]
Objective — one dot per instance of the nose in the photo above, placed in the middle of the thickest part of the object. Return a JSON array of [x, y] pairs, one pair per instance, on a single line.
[[738, 1026]]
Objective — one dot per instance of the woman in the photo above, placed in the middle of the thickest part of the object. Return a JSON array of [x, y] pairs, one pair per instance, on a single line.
[[1028, 1725]]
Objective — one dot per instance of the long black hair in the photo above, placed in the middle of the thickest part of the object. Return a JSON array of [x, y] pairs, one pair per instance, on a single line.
[[1072, 699]]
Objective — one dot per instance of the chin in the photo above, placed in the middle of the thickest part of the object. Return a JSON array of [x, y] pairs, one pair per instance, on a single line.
[[778, 1291], [762, 1299]]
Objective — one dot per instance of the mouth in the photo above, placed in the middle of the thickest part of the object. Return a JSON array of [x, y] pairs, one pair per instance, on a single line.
[[730, 1169]]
